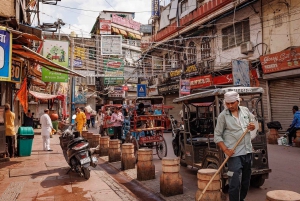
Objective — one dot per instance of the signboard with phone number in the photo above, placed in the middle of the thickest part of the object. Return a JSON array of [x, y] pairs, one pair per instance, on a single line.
[[16, 68], [5, 54]]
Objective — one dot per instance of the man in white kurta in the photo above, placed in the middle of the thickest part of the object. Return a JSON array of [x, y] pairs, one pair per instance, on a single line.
[[47, 127]]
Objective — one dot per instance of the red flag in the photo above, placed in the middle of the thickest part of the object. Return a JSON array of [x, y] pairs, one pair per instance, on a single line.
[[23, 96]]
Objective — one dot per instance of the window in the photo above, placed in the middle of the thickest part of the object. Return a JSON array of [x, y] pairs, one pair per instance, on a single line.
[[236, 34], [191, 53], [205, 48], [92, 53], [184, 6]]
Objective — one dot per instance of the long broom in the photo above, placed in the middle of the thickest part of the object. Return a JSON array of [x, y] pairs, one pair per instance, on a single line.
[[225, 161]]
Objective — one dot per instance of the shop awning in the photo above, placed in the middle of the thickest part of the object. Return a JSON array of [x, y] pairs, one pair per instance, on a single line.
[[29, 54], [124, 33], [115, 30], [18, 34], [132, 35], [44, 96], [137, 36]]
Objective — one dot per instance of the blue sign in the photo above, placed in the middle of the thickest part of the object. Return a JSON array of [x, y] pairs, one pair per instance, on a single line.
[[5, 54], [155, 8], [141, 90]]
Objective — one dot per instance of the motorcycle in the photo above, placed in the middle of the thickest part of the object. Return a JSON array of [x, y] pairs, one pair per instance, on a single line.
[[77, 152]]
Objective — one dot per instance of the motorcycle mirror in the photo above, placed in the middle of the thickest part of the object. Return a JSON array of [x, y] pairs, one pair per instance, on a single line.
[[74, 116]]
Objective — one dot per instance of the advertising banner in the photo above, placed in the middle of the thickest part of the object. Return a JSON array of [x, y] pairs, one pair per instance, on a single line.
[[111, 45], [146, 28], [168, 88], [105, 26], [5, 54], [223, 79], [57, 52], [185, 87], [80, 96], [117, 92], [126, 22], [152, 91], [155, 8], [201, 81], [280, 61], [191, 70], [240, 73], [113, 71], [16, 70]]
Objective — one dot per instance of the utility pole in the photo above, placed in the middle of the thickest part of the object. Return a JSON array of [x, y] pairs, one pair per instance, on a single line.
[[58, 23], [72, 105]]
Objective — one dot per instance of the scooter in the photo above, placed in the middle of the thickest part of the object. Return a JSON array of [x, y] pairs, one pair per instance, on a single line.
[[77, 152]]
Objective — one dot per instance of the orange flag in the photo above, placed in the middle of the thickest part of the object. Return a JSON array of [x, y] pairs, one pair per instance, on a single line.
[[23, 96]]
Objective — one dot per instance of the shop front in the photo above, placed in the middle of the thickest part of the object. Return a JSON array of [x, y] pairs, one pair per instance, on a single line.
[[282, 75], [170, 91]]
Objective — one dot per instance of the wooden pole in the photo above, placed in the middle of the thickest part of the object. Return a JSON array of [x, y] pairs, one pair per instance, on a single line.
[[225, 161]]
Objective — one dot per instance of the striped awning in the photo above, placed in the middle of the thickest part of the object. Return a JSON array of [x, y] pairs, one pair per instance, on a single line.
[[115, 30], [137, 36], [132, 35], [124, 33]]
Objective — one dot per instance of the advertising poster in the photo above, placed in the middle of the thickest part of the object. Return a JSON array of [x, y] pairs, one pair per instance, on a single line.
[[57, 52], [5, 54], [105, 26], [240, 73], [111, 45], [113, 71], [185, 88], [80, 95]]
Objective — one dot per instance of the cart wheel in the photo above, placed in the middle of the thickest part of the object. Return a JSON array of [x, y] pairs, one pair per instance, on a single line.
[[257, 181], [136, 147], [161, 148]]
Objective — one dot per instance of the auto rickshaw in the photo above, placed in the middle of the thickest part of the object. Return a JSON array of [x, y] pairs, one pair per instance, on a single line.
[[147, 130], [195, 143], [107, 125]]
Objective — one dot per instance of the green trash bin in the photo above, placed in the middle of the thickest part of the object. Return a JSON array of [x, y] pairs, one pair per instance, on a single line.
[[110, 131], [24, 141]]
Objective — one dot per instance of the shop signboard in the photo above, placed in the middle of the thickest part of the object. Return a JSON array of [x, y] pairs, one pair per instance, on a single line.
[[223, 79], [111, 45], [168, 88], [5, 54], [240, 73], [155, 8], [113, 71], [201, 81], [113, 80], [152, 91], [105, 26], [57, 52], [126, 22], [191, 70], [117, 92], [175, 74], [146, 28], [185, 88], [16, 70], [281, 61]]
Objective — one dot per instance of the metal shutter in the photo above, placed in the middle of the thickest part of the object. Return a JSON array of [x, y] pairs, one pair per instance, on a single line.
[[284, 94]]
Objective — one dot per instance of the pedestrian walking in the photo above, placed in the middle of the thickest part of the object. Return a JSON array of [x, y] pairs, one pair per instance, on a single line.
[[80, 120], [10, 133], [47, 127], [231, 124], [88, 117], [93, 116], [100, 119], [117, 119]]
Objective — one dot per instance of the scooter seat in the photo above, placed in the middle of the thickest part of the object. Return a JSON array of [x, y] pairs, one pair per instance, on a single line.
[[75, 141]]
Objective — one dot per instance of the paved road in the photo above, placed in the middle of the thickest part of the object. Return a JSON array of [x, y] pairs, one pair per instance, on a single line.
[[284, 162]]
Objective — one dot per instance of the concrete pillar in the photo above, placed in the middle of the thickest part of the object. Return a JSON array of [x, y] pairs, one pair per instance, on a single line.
[[213, 191], [104, 144], [282, 195], [128, 159], [170, 179], [114, 151], [145, 166]]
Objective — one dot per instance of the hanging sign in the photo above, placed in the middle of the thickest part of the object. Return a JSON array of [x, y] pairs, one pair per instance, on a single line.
[[191, 70], [240, 73], [155, 8], [5, 54], [16, 68]]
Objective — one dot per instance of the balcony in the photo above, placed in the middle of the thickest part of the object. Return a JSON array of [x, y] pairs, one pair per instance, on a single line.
[[132, 44], [194, 16]]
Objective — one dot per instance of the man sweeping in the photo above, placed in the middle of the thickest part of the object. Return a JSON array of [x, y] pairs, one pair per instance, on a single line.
[[231, 124]]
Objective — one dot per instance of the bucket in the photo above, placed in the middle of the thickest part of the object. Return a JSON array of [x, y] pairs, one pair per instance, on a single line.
[[279, 141]]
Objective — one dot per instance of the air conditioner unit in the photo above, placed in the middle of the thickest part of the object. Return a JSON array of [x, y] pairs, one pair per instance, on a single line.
[[246, 47]]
